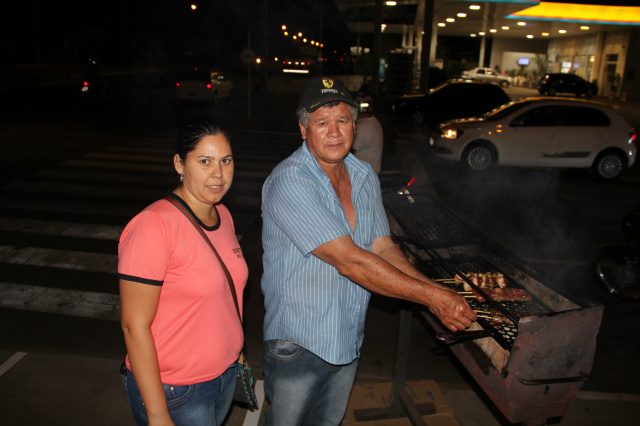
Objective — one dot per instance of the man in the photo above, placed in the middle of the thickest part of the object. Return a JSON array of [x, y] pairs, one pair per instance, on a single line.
[[368, 141], [327, 245]]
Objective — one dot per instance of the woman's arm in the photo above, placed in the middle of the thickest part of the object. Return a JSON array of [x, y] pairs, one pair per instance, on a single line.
[[139, 304]]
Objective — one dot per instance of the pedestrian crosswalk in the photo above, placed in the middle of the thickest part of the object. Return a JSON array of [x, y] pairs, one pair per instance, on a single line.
[[64, 222], [85, 304]]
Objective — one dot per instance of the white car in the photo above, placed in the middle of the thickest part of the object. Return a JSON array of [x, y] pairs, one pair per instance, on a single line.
[[542, 132], [487, 74], [203, 85]]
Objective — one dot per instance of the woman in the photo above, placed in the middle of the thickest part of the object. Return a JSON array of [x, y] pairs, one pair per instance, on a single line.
[[179, 319]]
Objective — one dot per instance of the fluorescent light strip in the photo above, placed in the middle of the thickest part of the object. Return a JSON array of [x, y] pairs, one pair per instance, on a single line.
[[291, 71]]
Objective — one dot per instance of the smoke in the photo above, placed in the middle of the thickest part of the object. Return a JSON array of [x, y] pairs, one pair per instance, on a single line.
[[519, 209]]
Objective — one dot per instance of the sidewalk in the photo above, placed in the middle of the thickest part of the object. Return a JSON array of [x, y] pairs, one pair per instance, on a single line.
[[66, 389]]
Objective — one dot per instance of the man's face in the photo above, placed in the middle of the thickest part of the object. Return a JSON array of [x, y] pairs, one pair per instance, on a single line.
[[329, 134]]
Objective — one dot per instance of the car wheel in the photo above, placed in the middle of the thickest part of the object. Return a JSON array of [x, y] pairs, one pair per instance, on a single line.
[[589, 93], [479, 156], [609, 165], [504, 83], [618, 273], [551, 91]]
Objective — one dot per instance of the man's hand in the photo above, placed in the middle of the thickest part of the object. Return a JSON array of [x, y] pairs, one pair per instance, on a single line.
[[452, 309]]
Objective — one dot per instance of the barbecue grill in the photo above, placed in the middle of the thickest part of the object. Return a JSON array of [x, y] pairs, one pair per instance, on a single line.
[[533, 360], [427, 223]]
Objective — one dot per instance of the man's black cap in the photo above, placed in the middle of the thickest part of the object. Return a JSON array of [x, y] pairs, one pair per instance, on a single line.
[[318, 91]]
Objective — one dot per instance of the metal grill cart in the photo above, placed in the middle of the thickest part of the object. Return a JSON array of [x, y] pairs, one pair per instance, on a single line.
[[530, 351]]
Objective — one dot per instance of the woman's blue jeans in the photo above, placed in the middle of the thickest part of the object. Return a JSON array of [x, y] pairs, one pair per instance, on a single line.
[[202, 404], [303, 389]]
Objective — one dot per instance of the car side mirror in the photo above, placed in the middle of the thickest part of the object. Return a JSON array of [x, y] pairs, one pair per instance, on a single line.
[[517, 123]]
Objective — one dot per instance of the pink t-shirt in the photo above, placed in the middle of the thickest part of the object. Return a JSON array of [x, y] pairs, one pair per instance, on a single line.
[[196, 328]]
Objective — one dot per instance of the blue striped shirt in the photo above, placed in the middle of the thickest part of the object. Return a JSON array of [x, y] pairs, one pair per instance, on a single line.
[[307, 301]]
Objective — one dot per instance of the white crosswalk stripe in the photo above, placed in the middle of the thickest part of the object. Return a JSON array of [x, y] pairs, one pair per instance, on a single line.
[[65, 229], [84, 304], [62, 259]]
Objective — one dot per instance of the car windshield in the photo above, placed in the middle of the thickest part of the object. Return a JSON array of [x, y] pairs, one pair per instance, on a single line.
[[195, 75], [504, 110], [441, 86]]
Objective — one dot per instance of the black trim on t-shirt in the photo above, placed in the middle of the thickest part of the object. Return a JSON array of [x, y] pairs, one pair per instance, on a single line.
[[205, 227], [140, 280]]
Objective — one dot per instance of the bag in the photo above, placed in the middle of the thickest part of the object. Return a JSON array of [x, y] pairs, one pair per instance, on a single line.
[[244, 392]]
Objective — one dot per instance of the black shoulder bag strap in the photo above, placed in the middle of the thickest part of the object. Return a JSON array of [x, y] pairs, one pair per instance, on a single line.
[[243, 391], [180, 205]]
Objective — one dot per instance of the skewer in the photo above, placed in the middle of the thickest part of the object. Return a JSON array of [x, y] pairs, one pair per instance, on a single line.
[[452, 280], [484, 316], [465, 292], [482, 312]]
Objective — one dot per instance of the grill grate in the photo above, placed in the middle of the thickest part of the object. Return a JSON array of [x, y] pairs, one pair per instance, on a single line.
[[427, 223], [504, 333]]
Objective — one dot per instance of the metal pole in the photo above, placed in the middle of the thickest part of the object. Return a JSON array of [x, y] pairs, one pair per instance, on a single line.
[[403, 336], [377, 43], [249, 78], [265, 62], [425, 57]]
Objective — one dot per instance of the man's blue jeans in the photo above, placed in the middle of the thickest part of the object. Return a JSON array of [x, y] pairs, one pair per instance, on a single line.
[[301, 388], [202, 404]]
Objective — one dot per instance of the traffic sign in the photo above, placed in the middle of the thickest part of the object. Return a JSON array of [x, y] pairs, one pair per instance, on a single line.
[[248, 56]]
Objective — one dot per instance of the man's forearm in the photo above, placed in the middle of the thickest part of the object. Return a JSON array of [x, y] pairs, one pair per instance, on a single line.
[[372, 271]]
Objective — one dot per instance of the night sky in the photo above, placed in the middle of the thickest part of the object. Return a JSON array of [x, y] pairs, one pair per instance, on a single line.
[[168, 32], [160, 31]]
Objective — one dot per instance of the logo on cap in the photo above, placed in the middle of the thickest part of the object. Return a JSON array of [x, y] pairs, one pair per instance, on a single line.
[[327, 82]]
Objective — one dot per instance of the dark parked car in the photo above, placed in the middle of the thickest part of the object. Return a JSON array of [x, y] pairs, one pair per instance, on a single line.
[[551, 84], [450, 100]]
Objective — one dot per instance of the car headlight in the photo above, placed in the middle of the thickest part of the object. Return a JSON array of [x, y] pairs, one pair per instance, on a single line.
[[450, 134]]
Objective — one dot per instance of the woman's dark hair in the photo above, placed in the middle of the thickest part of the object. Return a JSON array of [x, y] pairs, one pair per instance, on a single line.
[[193, 133]]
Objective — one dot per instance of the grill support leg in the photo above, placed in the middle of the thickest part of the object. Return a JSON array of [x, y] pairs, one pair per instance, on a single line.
[[402, 406], [403, 334]]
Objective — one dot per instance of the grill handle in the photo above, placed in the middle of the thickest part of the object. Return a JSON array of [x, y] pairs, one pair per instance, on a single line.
[[459, 336], [530, 382]]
